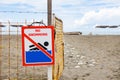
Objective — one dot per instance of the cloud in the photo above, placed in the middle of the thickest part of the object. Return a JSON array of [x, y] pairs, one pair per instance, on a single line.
[[37, 4], [109, 16], [112, 1], [75, 12], [10, 1]]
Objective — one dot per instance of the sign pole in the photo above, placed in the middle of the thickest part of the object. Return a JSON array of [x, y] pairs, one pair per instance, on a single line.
[[49, 8], [49, 72]]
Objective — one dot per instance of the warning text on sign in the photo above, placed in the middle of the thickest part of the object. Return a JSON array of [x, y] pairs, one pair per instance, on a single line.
[[38, 34]]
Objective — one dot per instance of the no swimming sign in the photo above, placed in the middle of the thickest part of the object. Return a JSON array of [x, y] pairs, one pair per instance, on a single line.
[[37, 45]]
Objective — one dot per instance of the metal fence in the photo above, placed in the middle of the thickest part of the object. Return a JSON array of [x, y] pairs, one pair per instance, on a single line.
[[11, 58], [10, 55]]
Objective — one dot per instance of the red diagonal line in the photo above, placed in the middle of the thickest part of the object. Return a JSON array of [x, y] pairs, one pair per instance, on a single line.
[[38, 46]]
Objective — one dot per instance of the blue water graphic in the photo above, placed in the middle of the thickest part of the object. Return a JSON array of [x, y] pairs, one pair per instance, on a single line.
[[37, 56]]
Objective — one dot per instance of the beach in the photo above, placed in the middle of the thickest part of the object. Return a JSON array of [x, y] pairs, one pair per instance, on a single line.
[[86, 57]]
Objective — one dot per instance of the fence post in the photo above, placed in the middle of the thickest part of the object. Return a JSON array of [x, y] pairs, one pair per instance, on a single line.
[[0, 52], [9, 51]]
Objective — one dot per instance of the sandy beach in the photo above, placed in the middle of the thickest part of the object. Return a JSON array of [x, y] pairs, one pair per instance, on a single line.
[[92, 57], [86, 58]]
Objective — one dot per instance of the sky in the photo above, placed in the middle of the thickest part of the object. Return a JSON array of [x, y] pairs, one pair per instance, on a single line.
[[77, 15]]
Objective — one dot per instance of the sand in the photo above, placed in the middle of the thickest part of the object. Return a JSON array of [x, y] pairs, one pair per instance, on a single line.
[[92, 58], [86, 58]]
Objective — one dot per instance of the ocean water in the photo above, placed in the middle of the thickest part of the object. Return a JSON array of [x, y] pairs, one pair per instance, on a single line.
[[36, 56]]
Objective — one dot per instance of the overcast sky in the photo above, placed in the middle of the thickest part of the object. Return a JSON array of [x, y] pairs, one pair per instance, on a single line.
[[77, 15]]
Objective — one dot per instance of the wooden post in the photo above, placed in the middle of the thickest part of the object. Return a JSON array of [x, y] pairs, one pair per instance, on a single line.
[[49, 8]]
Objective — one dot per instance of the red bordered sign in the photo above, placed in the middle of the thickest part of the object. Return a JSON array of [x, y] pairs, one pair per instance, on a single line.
[[37, 45]]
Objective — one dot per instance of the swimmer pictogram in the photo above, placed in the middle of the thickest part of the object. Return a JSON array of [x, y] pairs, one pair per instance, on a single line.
[[32, 47]]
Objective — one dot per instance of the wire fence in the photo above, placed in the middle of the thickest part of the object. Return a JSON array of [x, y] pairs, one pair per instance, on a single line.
[[10, 55]]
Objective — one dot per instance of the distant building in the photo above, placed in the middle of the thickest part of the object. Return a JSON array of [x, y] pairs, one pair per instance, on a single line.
[[1, 25], [90, 33], [101, 26], [107, 26], [113, 26], [73, 33]]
